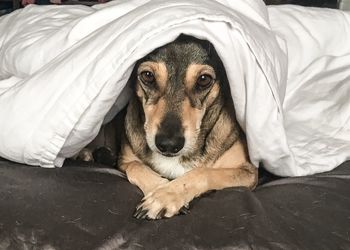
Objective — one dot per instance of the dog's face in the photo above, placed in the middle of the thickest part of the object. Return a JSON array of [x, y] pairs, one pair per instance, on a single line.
[[176, 85]]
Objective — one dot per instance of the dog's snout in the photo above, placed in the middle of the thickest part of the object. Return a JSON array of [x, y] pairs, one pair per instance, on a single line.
[[169, 145], [169, 139]]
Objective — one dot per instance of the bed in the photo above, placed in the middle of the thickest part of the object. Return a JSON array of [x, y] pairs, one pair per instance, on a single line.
[[72, 205]]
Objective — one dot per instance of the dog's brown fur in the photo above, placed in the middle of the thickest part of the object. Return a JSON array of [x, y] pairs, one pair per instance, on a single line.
[[169, 96]]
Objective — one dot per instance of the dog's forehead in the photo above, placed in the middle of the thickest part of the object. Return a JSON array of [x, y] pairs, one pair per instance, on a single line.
[[180, 55]]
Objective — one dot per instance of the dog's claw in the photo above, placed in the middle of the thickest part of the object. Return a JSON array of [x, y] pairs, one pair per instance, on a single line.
[[140, 213], [136, 214], [138, 209], [161, 214], [144, 215], [184, 210]]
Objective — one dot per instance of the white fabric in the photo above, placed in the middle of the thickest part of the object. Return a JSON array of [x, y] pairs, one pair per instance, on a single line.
[[62, 68]]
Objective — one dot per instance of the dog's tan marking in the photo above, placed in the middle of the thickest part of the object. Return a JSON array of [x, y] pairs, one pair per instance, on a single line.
[[139, 92], [214, 92], [154, 114], [158, 69], [138, 173], [233, 157], [194, 71], [191, 116], [191, 122], [221, 131]]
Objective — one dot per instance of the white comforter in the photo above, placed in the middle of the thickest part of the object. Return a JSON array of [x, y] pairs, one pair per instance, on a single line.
[[62, 68]]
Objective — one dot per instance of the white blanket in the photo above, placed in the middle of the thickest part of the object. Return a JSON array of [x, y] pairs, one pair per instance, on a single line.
[[62, 68]]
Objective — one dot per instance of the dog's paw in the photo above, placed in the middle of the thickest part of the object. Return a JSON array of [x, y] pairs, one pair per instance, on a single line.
[[163, 202], [85, 155]]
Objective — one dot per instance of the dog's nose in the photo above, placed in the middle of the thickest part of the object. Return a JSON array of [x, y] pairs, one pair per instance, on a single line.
[[169, 138], [169, 145]]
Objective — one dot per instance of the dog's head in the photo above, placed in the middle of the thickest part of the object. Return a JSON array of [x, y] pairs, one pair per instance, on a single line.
[[177, 85]]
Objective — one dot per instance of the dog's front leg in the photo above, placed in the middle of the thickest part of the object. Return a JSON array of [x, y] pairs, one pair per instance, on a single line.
[[137, 172], [169, 198], [142, 176]]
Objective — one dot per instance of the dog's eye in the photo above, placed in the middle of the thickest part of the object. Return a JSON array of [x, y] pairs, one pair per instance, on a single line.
[[204, 81], [147, 77]]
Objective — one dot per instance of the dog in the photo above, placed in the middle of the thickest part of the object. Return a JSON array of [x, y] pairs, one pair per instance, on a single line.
[[180, 137]]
